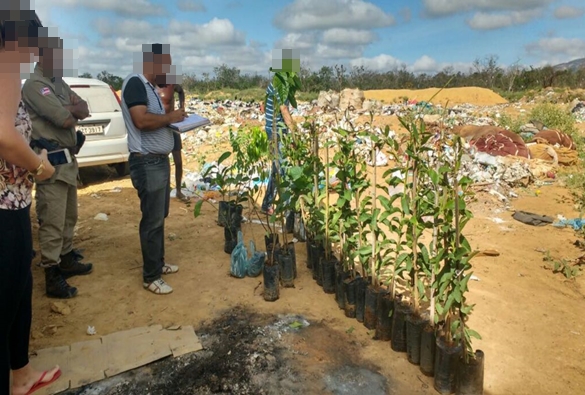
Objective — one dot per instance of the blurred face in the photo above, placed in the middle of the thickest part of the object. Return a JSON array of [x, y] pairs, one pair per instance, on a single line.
[[159, 65], [52, 62], [19, 51], [162, 65]]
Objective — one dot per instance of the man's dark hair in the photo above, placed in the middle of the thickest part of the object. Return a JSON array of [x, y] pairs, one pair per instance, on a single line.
[[12, 28], [149, 50], [157, 49]]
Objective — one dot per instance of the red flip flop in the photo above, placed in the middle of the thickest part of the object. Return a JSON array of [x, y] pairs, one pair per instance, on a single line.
[[40, 384]]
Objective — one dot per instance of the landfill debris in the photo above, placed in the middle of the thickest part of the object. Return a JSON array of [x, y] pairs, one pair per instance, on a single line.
[[532, 219], [101, 217], [91, 330], [576, 223], [488, 253], [351, 99], [485, 168]]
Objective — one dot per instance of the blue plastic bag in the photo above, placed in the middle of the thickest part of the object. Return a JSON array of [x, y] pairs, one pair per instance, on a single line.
[[256, 262], [239, 258]]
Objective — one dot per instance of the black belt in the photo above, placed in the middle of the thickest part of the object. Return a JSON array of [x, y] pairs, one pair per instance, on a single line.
[[139, 155]]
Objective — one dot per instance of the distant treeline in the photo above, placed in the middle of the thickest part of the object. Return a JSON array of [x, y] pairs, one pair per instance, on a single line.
[[484, 73]]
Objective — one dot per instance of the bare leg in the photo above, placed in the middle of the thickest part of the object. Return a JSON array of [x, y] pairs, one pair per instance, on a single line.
[[178, 159], [23, 379]]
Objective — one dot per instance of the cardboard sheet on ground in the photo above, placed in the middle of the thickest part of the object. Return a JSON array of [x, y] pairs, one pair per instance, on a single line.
[[86, 362]]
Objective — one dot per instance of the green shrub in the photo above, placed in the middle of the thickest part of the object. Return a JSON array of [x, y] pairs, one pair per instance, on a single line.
[[556, 117], [512, 123]]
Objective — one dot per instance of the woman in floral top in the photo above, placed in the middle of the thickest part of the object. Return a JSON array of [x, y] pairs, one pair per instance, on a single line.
[[18, 166]]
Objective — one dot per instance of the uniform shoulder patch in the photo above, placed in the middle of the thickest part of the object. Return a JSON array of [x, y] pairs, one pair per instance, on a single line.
[[45, 91]]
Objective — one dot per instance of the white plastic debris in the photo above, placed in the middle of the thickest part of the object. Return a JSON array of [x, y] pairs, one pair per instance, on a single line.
[[486, 159], [101, 217], [91, 330], [381, 159]]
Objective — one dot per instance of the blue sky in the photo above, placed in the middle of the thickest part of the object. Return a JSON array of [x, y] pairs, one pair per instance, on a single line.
[[421, 35]]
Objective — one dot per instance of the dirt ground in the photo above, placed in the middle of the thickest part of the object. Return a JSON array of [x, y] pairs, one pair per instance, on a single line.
[[452, 96], [531, 319]]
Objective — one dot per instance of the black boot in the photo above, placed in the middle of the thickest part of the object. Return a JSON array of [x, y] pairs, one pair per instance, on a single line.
[[77, 254], [56, 285], [70, 266]]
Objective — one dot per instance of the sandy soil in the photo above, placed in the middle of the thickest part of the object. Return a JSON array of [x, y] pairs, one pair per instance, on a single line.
[[531, 319], [479, 96]]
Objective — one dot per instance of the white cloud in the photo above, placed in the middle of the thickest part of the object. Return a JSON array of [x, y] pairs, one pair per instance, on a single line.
[[568, 12], [339, 36], [332, 46], [327, 14], [125, 28], [491, 21], [381, 62], [191, 6], [302, 41], [120, 7], [439, 8], [424, 64], [215, 32], [195, 47], [559, 49], [43, 10]]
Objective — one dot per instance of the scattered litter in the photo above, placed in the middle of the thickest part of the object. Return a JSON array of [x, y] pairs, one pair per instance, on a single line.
[[95, 196], [101, 217], [488, 253], [497, 220], [532, 219], [172, 236], [296, 325], [474, 278], [258, 222], [116, 190], [576, 223], [173, 328], [91, 330], [286, 323]]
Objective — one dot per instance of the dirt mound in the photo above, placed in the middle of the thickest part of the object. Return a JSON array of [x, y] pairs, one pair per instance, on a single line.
[[471, 95]]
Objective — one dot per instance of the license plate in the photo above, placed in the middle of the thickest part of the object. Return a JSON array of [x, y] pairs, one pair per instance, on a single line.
[[90, 130]]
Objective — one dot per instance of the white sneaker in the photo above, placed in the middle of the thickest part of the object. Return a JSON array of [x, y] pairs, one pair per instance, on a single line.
[[169, 269], [158, 287]]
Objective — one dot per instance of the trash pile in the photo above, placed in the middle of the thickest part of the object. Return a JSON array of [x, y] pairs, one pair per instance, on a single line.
[[579, 111], [496, 156], [485, 168]]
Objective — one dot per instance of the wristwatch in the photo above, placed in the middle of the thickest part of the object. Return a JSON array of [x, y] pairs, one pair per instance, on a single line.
[[39, 170]]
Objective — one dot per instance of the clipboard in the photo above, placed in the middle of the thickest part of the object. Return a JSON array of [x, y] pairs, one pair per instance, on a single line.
[[193, 121]]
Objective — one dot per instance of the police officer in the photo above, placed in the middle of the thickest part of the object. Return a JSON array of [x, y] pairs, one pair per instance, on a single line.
[[55, 110]]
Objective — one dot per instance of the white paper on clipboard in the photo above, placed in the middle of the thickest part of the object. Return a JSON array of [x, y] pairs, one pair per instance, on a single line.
[[193, 121]]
